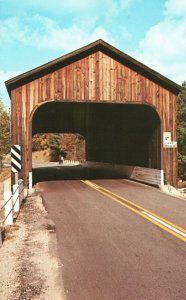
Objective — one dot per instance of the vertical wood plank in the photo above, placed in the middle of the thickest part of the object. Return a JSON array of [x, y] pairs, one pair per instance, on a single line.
[[28, 144], [110, 79], [105, 88], [59, 85], [67, 82], [24, 131], [86, 80], [55, 85], [13, 116], [91, 77], [96, 68], [63, 84], [123, 85], [101, 76]]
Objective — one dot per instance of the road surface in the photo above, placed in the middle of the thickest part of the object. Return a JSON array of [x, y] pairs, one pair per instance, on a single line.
[[110, 248]]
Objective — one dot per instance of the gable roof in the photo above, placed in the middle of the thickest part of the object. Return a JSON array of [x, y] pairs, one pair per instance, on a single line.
[[98, 45]]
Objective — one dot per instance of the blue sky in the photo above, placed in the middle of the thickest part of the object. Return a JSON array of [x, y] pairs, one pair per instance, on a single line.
[[33, 32]]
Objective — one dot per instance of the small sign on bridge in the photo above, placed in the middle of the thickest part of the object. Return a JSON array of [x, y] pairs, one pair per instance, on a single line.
[[167, 141]]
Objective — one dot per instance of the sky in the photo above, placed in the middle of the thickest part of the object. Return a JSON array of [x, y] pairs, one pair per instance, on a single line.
[[34, 32]]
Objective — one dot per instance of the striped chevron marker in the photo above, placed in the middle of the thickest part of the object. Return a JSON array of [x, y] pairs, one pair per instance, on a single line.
[[16, 158]]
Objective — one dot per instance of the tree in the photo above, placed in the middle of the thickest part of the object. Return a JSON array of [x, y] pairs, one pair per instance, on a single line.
[[39, 142], [4, 130], [55, 145], [181, 130], [52, 141], [55, 142]]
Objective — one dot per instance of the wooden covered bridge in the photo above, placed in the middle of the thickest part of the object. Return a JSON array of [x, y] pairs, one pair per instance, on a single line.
[[125, 110]]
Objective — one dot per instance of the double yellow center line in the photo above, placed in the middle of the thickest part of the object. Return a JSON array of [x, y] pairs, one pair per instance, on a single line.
[[175, 230]]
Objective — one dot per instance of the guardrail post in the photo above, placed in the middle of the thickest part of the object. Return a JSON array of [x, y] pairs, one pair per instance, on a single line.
[[30, 183], [8, 208], [162, 177], [21, 191], [16, 197], [30, 180]]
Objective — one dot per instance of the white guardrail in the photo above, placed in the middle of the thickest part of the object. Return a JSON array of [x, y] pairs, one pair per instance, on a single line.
[[12, 203], [71, 162], [146, 175]]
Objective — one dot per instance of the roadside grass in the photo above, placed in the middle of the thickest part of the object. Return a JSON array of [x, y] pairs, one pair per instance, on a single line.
[[5, 173]]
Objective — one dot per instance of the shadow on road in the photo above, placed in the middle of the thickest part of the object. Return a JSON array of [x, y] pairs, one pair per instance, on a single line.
[[71, 173]]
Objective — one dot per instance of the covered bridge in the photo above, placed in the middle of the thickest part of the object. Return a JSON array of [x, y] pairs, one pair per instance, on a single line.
[[125, 110]]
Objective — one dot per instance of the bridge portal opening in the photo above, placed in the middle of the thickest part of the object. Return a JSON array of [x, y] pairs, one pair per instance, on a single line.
[[47, 147], [123, 134]]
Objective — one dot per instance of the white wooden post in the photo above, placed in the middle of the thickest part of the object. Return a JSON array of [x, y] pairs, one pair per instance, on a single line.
[[16, 197], [21, 191], [30, 180], [30, 183], [162, 177], [8, 208], [16, 177]]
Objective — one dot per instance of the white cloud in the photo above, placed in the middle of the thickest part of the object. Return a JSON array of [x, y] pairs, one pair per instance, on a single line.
[[164, 45], [10, 30], [167, 37], [54, 6], [42, 32], [80, 22], [6, 75], [61, 7], [125, 3], [175, 8]]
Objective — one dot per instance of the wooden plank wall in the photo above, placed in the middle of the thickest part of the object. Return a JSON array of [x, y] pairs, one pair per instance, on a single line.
[[146, 175], [99, 78]]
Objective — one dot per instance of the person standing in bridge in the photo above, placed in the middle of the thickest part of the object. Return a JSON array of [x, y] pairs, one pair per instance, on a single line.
[[60, 158]]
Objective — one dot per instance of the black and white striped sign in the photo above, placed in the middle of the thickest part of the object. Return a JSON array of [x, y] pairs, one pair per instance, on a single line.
[[16, 158]]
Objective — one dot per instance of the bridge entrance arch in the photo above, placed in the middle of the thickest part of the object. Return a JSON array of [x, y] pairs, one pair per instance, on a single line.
[[114, 133], [106, 96]]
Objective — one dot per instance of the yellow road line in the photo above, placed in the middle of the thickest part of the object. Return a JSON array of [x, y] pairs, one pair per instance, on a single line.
[[175, 230], [134, 204], [141, 208]]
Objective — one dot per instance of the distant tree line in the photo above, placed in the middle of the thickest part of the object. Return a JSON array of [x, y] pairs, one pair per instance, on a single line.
[[70, 146], [4, 130], [181, 132]]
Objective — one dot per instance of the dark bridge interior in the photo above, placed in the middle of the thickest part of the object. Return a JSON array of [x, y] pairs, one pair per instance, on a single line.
[[127, 134]]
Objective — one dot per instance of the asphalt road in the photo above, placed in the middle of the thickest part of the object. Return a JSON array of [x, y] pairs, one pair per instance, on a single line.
[[108, 250]]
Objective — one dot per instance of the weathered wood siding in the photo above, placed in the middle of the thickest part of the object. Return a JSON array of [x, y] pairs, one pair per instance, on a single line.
[[99, 78]]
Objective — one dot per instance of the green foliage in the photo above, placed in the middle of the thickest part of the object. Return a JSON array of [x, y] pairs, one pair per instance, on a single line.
[[55, 142], [55, 145], [4, 130], [47, 141], [181, 130], [37, 142], [182, 166]]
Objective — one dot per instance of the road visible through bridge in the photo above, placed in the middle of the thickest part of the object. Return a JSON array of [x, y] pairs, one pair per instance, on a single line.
[[108, 249]]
